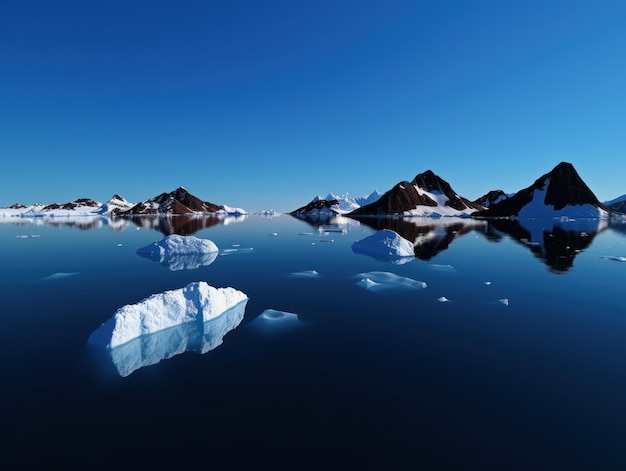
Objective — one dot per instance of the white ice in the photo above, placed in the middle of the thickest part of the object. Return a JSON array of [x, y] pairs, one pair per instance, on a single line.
[[614, 259], [196, 302], [440, 267], [305, 274], [377, 281], [443, 299], [386, 245], [150, 349], [178, 245]]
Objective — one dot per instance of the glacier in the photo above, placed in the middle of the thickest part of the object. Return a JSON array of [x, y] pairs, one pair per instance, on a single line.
[[197, 302]]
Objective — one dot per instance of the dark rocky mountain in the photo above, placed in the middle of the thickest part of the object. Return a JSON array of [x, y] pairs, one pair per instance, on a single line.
[[491, 198], [179, 201], [317, 206], [560, 188], [413, 196], [79, 203]]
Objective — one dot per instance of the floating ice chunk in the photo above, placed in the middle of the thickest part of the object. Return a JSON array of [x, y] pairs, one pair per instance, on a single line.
[[35, 235], [305, 233], [274, 320], [120, 245], [273, 234], [382, 280], [614, 259], [385, 245], [487, 283], [326, 240], [150, 349], [305, 274], [177, 252], [438, 267], [443, 299], [177, 244], [238, 249], [59, 275], [196, 302], [504, 301]]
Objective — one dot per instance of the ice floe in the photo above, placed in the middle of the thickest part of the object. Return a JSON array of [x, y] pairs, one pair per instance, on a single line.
[[196, 302], [614, 259], [59, 275], [274, 320], [305, 274], [386, 245], [178, 252], [150, 349], [378, 281], [443, 299], [237, 249]]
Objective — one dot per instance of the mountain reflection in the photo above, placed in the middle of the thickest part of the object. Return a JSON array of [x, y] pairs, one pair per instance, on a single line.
[[182, 224], [429, 236], [152, 348], [555, 242]]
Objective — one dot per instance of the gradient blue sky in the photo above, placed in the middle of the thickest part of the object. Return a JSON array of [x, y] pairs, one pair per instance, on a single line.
[[264, 104]]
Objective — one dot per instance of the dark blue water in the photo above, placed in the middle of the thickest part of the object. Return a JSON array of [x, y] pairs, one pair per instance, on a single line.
[[392, 379]]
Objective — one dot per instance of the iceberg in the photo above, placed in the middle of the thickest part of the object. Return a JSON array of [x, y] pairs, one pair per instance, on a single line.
[[150, 349], [377, 281], [386, 245], [197, 302], [178, 252], [272, 320]]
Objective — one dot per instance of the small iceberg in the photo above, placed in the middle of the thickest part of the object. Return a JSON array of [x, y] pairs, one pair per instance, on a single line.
[[378, 281], [443, 299], [59, 275], [274, 320], [614, 259], [444, 268], [177, 252], [305, 274], [387, 246], [197, 302]]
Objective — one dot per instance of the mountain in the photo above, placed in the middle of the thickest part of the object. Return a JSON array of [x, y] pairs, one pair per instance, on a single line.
[[618, 204], [426, 195], [559, 193], [76, 204], [179, 201], [491, 198], [371, 198], [319, 207], [115, 205]]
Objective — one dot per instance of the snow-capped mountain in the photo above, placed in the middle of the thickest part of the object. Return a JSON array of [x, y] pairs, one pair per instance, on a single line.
[[618, 204], [115, 204], [319, 207], [179, 201], [335, 204], [491, 198], [559, 193], [427, 195]]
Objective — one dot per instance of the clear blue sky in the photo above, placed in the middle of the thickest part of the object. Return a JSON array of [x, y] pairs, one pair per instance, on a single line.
[[264, 104]]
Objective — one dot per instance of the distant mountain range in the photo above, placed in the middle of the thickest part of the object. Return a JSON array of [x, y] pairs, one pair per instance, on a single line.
[[177, 202], [559, 193]]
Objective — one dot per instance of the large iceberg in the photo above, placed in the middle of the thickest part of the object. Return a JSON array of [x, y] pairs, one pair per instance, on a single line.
[[386, 245], [150, 349], [197, 302], [178, 252]]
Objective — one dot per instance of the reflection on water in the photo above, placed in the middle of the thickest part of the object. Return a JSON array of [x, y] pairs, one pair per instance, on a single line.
[[555, 242], [429, 236], [176, 262], [150, 349], [183, 224]]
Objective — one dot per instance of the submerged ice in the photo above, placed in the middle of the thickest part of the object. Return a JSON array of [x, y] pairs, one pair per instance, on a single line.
[[197, 302], [377, 281]]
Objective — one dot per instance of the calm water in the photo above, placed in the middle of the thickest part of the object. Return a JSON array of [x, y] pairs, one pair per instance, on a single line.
[[390, 378]]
